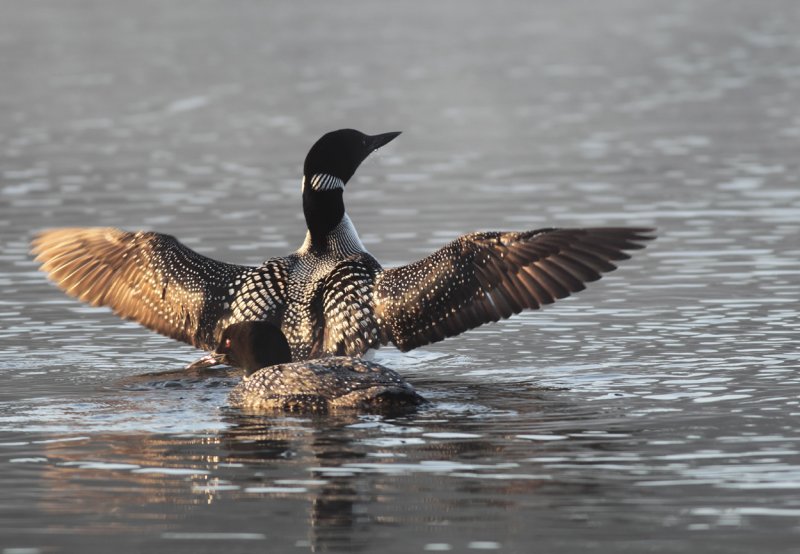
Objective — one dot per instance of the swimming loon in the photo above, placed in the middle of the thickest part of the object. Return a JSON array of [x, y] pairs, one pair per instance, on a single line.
[[330, 297], [322, 385]]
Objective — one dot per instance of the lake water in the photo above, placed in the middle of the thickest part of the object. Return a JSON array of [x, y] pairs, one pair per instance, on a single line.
[[657, 411]]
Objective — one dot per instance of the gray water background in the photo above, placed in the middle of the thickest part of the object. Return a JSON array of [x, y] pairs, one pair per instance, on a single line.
[[657, 411]]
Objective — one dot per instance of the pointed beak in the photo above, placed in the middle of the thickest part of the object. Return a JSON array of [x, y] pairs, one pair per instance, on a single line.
[[212, 359], [376, 141]]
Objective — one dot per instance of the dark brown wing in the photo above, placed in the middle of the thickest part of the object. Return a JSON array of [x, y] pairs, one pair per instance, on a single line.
[[147, 277], [485, 277]]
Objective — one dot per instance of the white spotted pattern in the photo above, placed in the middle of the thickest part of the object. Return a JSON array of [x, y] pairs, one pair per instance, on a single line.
[[334, 300], [148, 277], [311, 321], [323, 385], [485, 277]]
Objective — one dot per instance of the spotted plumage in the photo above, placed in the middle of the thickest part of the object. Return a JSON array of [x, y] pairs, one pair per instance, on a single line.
[[330, 297], [148, 277], [320, 385], [323, 385], [485, 277]]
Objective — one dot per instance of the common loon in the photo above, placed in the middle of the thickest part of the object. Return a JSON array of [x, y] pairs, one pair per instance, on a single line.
[[322, 385], [330, 297]]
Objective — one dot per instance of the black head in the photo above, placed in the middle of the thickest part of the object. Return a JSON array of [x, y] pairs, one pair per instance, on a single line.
[[339, 153], [249, 345], [329, 165]]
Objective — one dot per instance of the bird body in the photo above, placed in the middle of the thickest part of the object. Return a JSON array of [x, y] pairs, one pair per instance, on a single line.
[[324, 385], [273, 383]]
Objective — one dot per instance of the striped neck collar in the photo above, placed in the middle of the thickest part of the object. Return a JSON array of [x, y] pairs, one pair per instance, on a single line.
[[342, 240], [322, 181]]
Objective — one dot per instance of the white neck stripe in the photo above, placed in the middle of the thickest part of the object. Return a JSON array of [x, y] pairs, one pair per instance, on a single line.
[[323, 182]]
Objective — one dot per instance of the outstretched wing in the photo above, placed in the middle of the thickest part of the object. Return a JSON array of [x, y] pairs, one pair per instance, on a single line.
[[147, 277], [485, 277]]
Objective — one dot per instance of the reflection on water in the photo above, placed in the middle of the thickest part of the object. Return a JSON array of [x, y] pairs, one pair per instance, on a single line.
[[656, 411], [463, 469]]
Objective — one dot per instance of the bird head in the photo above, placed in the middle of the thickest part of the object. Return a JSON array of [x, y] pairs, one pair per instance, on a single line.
[[249, 345], [334, 158]]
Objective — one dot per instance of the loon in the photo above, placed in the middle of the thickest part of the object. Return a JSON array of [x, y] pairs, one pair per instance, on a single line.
[[322, 385], [331, 297]]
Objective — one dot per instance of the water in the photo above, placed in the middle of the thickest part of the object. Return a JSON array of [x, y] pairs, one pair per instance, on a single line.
[[657, 411]]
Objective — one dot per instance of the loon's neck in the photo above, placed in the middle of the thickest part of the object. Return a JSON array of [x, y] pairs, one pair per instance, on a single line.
[[343, 240], [329, 227], [323, 210]]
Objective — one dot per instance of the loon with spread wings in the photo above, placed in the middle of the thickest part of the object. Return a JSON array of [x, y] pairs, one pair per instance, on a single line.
[[330, 297]]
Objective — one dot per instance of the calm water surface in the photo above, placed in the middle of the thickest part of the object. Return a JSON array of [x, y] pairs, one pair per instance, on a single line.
[[657, 411]]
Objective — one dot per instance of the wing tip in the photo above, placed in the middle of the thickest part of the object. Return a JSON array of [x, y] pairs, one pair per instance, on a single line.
[[642, 235]]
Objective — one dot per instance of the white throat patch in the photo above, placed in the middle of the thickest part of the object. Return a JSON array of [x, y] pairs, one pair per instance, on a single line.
[[322, 182]]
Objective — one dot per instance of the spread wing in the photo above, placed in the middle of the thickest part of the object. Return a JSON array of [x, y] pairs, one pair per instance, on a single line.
[[485, 277], [147, 277]]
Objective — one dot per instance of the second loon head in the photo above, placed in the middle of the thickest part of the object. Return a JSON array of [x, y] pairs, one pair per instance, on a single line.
[[334, 158], [249, 345]]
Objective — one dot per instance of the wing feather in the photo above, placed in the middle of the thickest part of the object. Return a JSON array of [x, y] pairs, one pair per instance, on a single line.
[[148, 277], [350, 327], [484, 277]]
